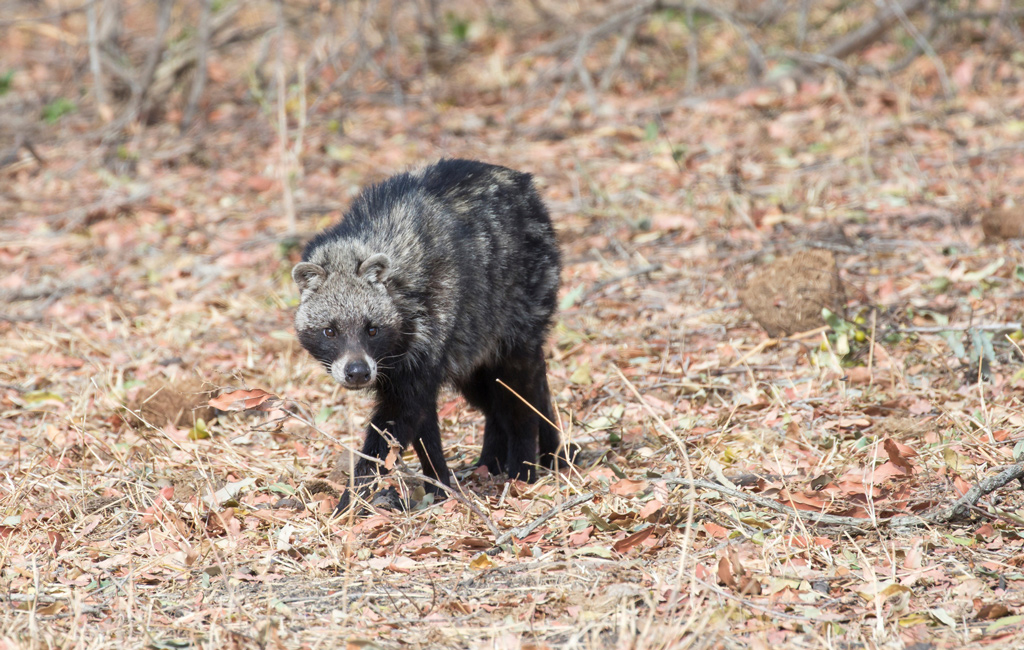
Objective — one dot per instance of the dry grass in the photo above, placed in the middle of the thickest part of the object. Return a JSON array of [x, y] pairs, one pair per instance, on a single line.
[[178, 273]]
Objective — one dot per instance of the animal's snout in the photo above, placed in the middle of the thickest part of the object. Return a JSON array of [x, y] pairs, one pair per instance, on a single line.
[[357, 372]]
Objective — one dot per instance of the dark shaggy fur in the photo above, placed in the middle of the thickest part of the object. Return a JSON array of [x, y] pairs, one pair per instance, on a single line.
[[445, 275]]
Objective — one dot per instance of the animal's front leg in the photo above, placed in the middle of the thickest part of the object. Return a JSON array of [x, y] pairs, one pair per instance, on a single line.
[[401, 418], [375, 445], [431, 454]]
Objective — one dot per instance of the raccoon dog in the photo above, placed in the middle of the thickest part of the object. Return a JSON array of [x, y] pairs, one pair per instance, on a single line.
[[447, 275]]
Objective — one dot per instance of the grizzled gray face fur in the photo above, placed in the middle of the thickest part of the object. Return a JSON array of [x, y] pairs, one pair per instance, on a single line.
[[346, 317]]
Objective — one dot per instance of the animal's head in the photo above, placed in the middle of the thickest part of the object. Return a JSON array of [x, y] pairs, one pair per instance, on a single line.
[[347, 318]]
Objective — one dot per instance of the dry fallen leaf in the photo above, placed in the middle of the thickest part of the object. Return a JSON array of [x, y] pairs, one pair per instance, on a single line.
[[993, 611], [896, 458], [242, 400], [627, 543]]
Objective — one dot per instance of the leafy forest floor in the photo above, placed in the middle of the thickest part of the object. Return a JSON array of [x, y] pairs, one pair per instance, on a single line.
[[718, 412]]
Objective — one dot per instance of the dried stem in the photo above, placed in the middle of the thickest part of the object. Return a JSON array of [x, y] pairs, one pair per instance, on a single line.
[[284, 159], [203, 48], [95, 65]]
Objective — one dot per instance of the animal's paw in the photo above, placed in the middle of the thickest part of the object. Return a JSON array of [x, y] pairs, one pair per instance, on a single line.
[[388, 499], [564, 458], [364, 501]]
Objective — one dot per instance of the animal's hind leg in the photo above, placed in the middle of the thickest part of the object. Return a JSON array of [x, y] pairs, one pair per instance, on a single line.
[[519, 373], [553, 454], [480, 391]]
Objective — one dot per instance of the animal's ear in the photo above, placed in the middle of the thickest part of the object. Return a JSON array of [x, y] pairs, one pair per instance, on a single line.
[[375, 268], [308, 276]]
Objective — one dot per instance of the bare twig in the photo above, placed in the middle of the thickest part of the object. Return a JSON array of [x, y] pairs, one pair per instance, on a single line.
[[608, 26], [458, 496], [756, 64], [625, 40], [771, 613], [911, 56], [202, 49], [284, 160], [53, 17], [11, 155], [925, 45], [994, 151], [962, 506], [801, 25], [523, 531], [990, 327], [48, 292], [958, 511], [94, 59], [820, 60], [692, 53], [141, 90], [598, 286], [871, 31], [1007, 13]]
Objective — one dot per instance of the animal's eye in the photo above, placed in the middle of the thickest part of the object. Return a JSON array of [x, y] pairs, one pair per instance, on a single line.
[[371, 330], [329, 332]]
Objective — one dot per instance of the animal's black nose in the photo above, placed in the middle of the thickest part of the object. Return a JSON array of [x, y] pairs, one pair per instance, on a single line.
[[357, 372]]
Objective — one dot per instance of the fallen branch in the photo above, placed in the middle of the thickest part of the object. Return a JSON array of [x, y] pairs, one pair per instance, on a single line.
[[958, 511], [873, 30], [961, 507], [922, 42], [141, 90], [523, 531], [38, 291], [995, 14], [994, 151], [935, 329], [643, 270], [11, 156], [202, 51]]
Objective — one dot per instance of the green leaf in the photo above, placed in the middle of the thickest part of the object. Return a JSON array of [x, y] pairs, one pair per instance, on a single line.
[[228, 492], [40, 397], [651, 131], [599, 522], [981, 274], [982, 342], [942, 616], [960, 541], [570, 298], [1018, 451], [57, 109], [459, 27], [581, 376], [199, 431], [597, 551], [1005, 621], [952, 339], [343, 153], [281, 488], [323, 415]]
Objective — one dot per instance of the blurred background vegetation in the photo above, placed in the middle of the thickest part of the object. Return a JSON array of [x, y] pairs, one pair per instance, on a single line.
[[105, 69]]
